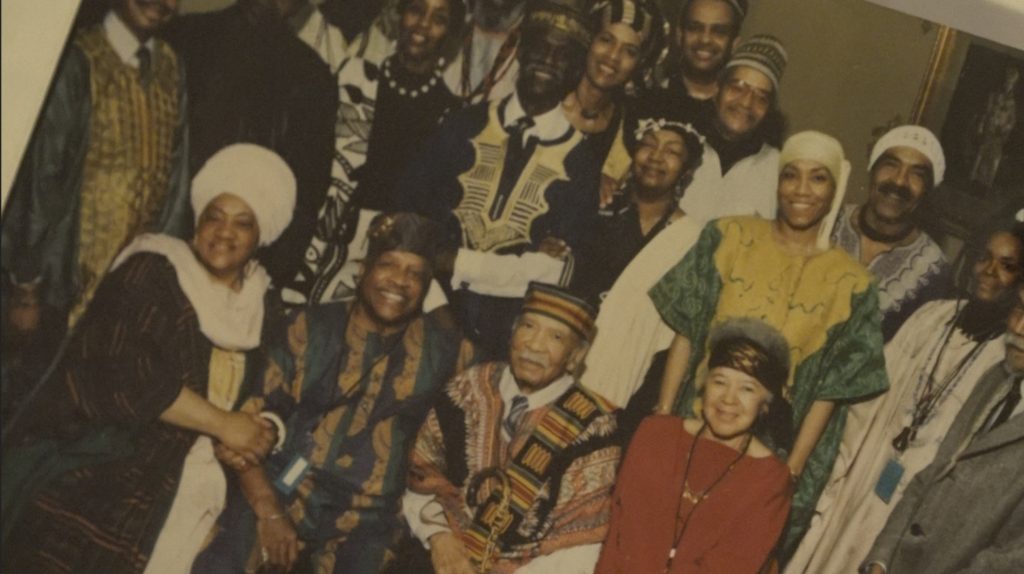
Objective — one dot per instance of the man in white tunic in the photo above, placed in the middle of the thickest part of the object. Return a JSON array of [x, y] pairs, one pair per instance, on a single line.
[[739, 169]]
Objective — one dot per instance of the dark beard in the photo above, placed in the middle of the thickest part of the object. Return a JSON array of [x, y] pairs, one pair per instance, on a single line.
[[983, 320]]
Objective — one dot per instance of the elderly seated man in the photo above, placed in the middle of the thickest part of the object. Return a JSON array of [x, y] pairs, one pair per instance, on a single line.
[[512, 470]]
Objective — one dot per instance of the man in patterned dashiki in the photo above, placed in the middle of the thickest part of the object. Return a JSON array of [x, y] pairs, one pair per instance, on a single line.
[[350, 384], [905, 165], [513, 469], [505, 176]]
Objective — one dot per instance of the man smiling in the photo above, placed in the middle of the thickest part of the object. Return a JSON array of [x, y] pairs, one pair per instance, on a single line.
[[883, 234], [738, 173], [512, 471], [706, 35], [505, 176], [349, 384]]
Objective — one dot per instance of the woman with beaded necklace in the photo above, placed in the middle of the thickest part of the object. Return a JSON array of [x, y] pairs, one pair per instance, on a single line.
[[384, 113], [630, 36], [727, 493]]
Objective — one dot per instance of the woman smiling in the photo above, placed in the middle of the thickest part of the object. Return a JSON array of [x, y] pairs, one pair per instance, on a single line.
[[726, 494], [786, 273], [119, 470]]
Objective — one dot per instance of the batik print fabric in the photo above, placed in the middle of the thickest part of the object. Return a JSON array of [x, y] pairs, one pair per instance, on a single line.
[[352, 401], [560, 480], [824, 304], [908, 275]]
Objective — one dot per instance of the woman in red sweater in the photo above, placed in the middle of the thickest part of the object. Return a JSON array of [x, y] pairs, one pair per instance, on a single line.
[[706, 495]]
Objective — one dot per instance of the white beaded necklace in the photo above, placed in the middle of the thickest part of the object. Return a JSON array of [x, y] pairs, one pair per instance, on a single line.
[[415, 92]]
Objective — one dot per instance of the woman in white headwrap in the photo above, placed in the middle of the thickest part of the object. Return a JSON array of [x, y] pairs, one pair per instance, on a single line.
[[783, 272], [124, 431]]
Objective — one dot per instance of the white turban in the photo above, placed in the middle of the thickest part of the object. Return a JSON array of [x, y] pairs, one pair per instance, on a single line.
[[256, 175], [827, 151], [916, 137]]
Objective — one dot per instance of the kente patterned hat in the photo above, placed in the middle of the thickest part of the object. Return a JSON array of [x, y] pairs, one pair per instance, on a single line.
[[565, 15], [560, 305], [917, 137], [763, 53]]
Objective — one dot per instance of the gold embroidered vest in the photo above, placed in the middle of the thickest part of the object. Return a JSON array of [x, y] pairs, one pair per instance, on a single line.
[[128, 163]]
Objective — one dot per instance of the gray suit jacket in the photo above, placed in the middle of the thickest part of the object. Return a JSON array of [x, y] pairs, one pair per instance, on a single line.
[[965, 511]]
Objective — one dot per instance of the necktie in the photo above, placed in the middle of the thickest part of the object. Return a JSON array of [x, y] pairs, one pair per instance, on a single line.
[[145, 64], [1004, 408], [515, 414], [517, 154]]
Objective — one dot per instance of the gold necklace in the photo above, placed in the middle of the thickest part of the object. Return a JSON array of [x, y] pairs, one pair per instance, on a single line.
[[695, 498]]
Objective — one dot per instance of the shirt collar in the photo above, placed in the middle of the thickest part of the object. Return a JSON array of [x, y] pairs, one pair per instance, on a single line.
[[125, 43], [508, 389], [549, 126]]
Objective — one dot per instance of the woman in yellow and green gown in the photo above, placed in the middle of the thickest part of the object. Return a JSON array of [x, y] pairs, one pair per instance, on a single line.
[[786, 273]]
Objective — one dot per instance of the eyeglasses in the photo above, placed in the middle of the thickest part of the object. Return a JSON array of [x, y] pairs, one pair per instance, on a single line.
[[741, 88]]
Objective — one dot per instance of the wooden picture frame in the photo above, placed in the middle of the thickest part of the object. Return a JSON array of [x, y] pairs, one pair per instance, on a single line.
[[962, 100]]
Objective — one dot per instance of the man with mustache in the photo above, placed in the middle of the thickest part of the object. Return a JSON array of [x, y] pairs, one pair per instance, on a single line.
[[512, 470], [883, 234], [104, 165], [348, 384], [739, 169], [965, 511], [509, 178]]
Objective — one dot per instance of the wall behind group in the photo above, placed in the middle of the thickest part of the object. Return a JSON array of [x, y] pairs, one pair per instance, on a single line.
[[854, 69]]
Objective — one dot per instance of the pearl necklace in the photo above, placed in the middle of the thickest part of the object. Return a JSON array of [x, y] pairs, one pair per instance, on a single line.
[[414, 92]]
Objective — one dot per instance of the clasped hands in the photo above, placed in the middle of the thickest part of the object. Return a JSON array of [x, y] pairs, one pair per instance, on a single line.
[[244, 439]]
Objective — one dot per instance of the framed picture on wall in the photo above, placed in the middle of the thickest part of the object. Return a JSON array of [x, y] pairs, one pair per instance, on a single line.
[[983, 135], [973, 99]]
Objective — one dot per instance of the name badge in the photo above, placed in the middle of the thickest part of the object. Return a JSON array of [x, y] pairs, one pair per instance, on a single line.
[[292, 475], [889, 480]]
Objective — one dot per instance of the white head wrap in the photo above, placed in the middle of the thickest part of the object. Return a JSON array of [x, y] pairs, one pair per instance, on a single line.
[[916, 137], [826, 150], [256, 175]]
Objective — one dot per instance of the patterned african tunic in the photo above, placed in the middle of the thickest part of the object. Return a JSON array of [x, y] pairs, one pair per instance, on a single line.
[[98, 486], [560, 465], [908, 275], [352, 401], [824, 304], [105, 164]]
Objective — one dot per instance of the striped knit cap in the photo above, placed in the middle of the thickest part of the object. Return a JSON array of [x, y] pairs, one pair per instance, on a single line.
[[764, 53], [553, 302]]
